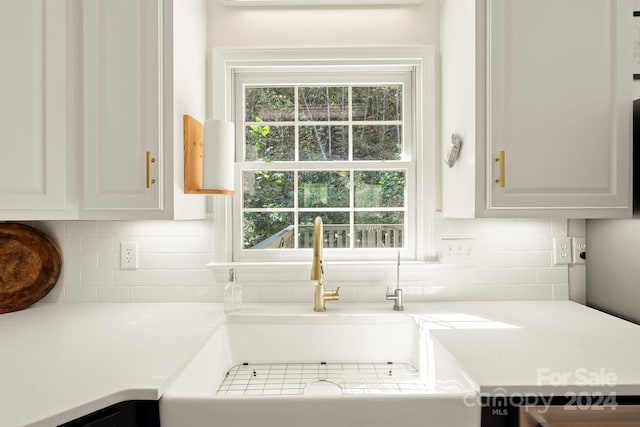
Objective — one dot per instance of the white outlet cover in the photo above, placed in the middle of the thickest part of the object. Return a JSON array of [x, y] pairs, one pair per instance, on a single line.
[[578, 246], [562, 250], [128, 255]]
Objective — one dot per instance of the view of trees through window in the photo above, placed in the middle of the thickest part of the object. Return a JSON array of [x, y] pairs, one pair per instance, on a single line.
[[325, 151]]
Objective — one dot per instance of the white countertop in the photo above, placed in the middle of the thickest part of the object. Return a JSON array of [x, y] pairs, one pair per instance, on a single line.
[[546, 347], [62, 361]]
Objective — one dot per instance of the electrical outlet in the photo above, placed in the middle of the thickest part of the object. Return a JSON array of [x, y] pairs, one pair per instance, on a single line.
[[579, 250], [561, 250], [459, 251], [128, 255]]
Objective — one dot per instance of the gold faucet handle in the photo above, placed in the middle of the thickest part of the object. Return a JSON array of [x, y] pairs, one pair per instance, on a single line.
[[332, 295]]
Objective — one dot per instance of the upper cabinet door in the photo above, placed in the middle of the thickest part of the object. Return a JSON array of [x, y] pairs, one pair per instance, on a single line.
[[123, 125], [559, 106], [33, 166]]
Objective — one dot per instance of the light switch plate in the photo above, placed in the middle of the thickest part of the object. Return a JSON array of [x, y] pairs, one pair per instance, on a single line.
[[459, 251]]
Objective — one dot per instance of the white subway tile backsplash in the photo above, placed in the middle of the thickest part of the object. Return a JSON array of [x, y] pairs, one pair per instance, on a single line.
[[513, 242], [159, 261], [410, 293], [208, 294], [114, 228], [57, 229], [275, 293], [114, 294], [455, 293], [504, 292], [559, 227], [537, 292], [57, 294], [81, 294], [180, 277], [551, 275], [250, 294], [97, 277], [513, 262], [560, 291], [544, 243], [161, 294], [97, 244], [130, 277], [305, 294], [487, 276], [79, 262], [176, 244], [535, 259], [166, 228], [371, 294], [70, 245], [81, 228], [108, 261], [69, 277], [498, 259]]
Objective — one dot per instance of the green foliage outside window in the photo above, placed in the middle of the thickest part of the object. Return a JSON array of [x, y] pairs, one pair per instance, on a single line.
[[323, 124]]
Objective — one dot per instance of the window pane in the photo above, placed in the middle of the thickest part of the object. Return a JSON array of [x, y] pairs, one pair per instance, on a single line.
[[379, 229], [379, 189], [270, 143], [264, 230], [323, 103], [323, 189], [377, 142], [377, 103], [323, 143], [267, 189], [335, 225], [269, 104]]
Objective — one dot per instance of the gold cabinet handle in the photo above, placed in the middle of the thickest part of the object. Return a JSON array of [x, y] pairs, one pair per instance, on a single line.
[[501, 159], [150, 159]]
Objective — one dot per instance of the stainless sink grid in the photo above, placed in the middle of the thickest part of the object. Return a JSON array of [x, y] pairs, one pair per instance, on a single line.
[[292, 378]]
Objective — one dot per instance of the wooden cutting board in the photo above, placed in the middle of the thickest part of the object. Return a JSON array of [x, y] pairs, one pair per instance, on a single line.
[[30, 264]]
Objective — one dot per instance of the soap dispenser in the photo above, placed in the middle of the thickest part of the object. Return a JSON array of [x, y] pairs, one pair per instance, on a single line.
[[232, 294]]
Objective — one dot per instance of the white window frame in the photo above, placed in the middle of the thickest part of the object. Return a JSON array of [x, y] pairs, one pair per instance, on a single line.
[[226, 66]]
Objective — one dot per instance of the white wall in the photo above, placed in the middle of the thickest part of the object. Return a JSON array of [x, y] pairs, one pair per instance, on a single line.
[[322, 27]]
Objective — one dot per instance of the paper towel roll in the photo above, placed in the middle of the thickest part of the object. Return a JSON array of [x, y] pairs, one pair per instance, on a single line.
[[218, 155]]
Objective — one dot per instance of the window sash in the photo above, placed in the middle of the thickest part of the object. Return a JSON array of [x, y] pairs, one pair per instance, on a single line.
[[407, 164], [228, 65], [352, 252]]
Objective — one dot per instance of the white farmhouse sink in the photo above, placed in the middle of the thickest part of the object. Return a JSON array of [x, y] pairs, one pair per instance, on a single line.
[[319, 370]]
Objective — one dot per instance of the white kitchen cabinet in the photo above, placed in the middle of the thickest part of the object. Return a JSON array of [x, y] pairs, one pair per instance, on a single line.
[[548, 83], [143, 65], [37, 160]]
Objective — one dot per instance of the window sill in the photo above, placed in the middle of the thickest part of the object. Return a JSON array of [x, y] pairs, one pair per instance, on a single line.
[[335, 271]]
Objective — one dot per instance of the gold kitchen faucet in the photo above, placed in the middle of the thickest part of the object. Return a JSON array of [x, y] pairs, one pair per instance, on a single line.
[[317, 272]]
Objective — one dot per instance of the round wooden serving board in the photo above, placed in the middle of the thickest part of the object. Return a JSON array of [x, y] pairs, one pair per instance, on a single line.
[[29, 266]]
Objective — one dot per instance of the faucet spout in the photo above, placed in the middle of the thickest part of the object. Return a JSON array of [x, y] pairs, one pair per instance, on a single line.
[[396, 296], [317, 271]]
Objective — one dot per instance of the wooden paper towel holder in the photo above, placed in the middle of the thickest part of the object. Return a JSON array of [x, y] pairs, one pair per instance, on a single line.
[[193, 159]]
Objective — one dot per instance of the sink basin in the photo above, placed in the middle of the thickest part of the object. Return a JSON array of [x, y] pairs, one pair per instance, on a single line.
[[319, 370]]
